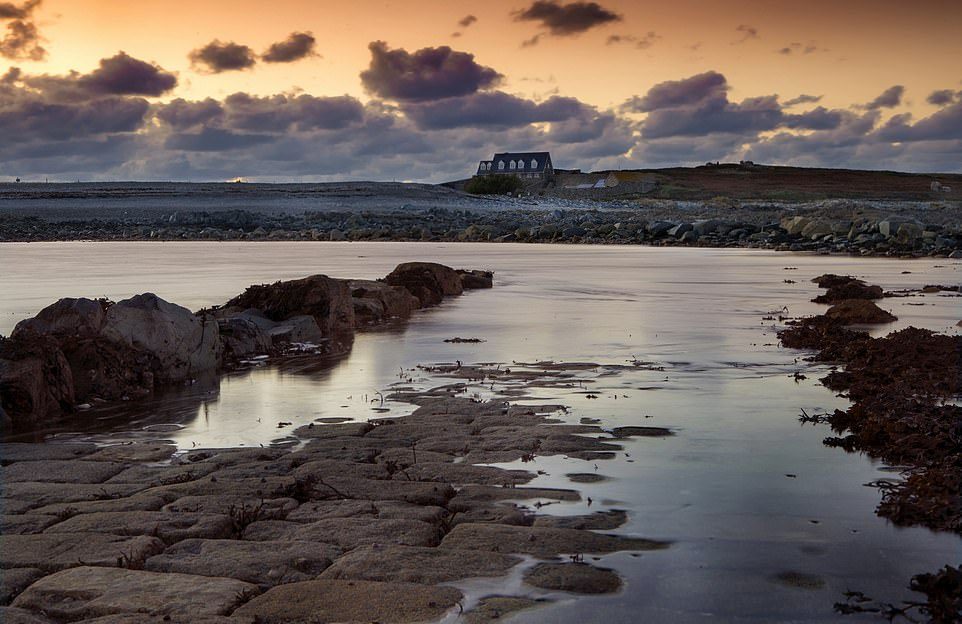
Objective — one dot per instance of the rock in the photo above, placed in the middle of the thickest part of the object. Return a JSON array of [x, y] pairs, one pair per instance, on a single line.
[[12, 615], [909, 232], [579, 578], [67, 318], [794, 225], [134, 452], [645, 432], [40, 494], [376, 302], [264, 563], [854, 289], [495, 608], [659, 228], [372, 489], [828, 280], [337, 235], [679, 230], [428, 281], [25, 524], [243, 338], [232, 505], [599, 520], [540, 541], [859, 312], [60, 471], [889, 227], [29, 451], [705, 226], [55, 552], [88, 592], [476, 279], [181, 343], [300, 328], [429, 566], [816, 229], [312, 511], [349, 533], [328, 300], [332, 600], [36, 382], [168, 526], [14, 581]]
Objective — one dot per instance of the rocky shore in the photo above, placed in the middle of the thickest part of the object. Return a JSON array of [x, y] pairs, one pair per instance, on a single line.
[[902, 388], [831, 226], [368, 521], [77, 353]]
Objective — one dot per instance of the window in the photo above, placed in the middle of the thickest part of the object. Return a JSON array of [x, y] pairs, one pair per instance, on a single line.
[[534, 163], [512, 165], [501, 165]]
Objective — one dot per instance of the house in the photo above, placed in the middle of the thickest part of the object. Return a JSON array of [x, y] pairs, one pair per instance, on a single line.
[[521, 164]]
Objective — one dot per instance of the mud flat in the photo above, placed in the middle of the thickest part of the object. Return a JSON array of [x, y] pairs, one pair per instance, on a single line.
[[367, 521], [902, 387]]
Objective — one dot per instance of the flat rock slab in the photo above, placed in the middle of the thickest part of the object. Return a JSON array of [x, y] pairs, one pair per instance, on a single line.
[[137, 502], [642, 432], [40, 494], [53, 552], [136, 452], [88, 592], [143, 618], [27, 451], [262, 563], [12, 615], [259, 509], [411, 564], [352, 429], [540, 541], [23, 524], [487, 493], [371, 489], [579, 578], [349, 533], [599, 520], [312, 511], [170, 527], [14, 581], [60, 471], [330, 600], [152, 476]]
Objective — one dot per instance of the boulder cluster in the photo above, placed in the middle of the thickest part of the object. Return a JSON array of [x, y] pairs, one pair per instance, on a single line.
[[834, 226], [78, 352]]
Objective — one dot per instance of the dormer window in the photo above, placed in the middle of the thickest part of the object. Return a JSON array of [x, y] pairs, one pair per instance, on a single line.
[[534, 163], [512, 165], [501, 165]]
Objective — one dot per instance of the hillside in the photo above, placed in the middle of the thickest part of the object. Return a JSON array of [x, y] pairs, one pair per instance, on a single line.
[[752, 182]]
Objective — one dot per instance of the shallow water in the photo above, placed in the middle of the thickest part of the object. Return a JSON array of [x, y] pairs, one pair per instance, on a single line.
[[718, 488]]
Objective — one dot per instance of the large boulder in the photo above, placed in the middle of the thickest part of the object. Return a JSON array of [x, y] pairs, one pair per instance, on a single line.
[[428, 281], [36, 383], [182, 343], [68, 317], [859, 312], [328, 300], [375, 302], [471, 280], [854, 289], [243, 338]]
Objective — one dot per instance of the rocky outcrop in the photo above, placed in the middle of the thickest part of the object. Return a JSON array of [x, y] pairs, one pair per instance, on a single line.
[[76, 352], [858, 312], [428, 281]]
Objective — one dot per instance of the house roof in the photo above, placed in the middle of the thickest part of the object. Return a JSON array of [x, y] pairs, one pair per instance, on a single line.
[[526, 157]]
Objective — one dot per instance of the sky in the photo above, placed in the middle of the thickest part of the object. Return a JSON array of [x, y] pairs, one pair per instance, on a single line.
[[309, 90]]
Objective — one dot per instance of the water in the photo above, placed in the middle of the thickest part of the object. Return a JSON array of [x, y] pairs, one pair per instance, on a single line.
[[717, 489]]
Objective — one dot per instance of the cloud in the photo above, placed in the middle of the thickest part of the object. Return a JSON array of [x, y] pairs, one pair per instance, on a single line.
[[944, 124], [675, 93], [218, 56], [567, 19], [467, 21], [493, 109], [531, 41], [22, 41], [122, 74], [943, 97], [803, 99], [890, 98], [9, 10], [642, 43], [427, 74], [181, 114], [746, 32], [297, 46]]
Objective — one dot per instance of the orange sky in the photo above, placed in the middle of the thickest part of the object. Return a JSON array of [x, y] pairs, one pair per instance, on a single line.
[[863, 46]]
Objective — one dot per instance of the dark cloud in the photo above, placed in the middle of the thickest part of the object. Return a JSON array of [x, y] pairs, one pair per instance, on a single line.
[[279, 113], [819, 118], [492, 109], [31, 118], [890, 98], [22, 41], [218, 56], [943, 97], [9, 10], [746, 32], [427, 74], [567, 19], [215, 140], [122, 74], [467, 21], [715, 115], [642, 43], [803, 99], [181, 114], [675, 93], [942, 125], [297, 46], [531, 41]]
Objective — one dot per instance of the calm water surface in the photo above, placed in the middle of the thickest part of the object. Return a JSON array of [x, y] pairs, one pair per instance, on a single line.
[[718, 489]]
